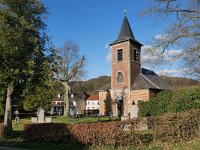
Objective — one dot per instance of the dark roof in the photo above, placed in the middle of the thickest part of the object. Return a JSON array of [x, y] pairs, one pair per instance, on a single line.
[[80, 95], [126, 33], [149, 80], [145, 80]]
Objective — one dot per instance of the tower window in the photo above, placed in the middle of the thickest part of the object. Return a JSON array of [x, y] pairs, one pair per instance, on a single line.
[[120, 55], [135, 54], [119, 77]]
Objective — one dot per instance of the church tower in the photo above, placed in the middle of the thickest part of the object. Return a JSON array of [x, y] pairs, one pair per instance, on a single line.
[[126, 64], [129, 82]]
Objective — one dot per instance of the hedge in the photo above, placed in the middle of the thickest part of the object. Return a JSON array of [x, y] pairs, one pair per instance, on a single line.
[[3, 131], [172, 127], [176, 127], [46, 132], [170, 101]]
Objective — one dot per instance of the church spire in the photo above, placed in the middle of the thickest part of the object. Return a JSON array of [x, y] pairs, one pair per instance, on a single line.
[[124, 12], [126, 33]]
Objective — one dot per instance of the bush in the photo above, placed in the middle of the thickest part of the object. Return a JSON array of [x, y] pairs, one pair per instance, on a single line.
[[135, 139], [46, 132], [171, 127], [95, 133], [3, 131], [176, 127], [169, 101]]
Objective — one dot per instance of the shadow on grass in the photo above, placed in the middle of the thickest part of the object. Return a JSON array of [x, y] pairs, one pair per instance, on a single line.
[[13, 140], [16, 140]]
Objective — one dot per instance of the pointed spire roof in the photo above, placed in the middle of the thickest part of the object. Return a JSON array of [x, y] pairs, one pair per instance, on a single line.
[[125, 33]]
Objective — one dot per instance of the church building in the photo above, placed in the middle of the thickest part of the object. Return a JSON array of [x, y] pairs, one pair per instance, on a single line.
[[130, 82]]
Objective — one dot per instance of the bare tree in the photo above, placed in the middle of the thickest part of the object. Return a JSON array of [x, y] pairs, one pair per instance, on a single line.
[[183, 32], [69, 66]]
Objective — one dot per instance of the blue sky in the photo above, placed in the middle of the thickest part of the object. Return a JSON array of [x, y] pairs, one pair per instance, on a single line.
[[94, 24]]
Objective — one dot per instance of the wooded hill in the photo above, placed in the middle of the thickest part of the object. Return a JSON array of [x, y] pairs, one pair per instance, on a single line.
[[90, 86]]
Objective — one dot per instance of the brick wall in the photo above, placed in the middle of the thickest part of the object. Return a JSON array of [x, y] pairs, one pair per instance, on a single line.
[[105, 102], [129, 97], [122, 66], [129, 67], [102, 97], [143, 94], [135, 66]]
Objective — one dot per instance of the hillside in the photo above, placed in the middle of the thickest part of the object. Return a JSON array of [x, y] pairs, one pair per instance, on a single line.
[[90, 86]]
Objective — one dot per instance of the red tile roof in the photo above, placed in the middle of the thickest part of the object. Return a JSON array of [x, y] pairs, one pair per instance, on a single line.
[[93, 97]]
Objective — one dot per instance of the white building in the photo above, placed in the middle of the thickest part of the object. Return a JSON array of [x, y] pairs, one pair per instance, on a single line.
[[92, 102]]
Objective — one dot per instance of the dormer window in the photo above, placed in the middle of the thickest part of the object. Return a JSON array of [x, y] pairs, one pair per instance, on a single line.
[[119, 77], [119, 54], [135, 54]]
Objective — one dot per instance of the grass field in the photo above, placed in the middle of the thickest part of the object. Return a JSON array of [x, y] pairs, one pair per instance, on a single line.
[[17, 141]]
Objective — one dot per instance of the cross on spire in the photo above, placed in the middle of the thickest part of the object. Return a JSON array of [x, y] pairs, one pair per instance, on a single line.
[[125, 12]]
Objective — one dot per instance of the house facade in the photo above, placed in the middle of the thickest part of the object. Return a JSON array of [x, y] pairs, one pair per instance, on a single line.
[[130, 82], [77, 100], [92, 102]]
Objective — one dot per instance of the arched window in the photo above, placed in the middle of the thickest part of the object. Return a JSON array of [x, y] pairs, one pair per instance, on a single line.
[[135, 54], [119, 77]]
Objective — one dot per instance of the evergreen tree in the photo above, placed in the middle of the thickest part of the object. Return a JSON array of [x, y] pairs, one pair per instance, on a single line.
[[22, 48]]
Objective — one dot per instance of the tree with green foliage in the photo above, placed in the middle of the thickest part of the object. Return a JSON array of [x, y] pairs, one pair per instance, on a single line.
[[39, 90], [22, 50], [68, 66]]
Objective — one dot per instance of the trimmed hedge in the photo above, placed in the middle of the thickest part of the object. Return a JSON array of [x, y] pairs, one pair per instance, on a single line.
[[46, 132], [170, 101], [95, 133], [141, 132], [3, 131], [176, 127]]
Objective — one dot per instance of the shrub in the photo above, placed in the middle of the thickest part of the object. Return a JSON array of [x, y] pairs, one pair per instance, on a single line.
[[175, 127], [3, 131], [46, 132], [171, 127], [95, 133], [169, 101], [134, 139]]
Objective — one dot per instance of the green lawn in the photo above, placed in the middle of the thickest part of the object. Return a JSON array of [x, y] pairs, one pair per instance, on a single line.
[[17, 141], [62, 119]]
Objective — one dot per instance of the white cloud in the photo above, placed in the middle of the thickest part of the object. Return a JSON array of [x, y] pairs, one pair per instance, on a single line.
[[152, 57], [108, 56], [174, 53], [107, 46], [147, 57], [160, 37], [173, 72]]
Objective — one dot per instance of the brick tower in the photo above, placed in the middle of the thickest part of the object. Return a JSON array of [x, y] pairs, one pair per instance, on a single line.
[[125, 58], [129, 82], [125, 67]]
